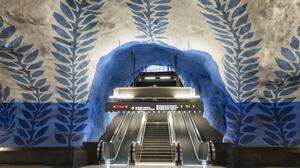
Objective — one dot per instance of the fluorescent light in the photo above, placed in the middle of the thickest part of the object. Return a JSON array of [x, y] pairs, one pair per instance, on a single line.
[[150, 77], [124, 96], [164, 77], [186, 96]]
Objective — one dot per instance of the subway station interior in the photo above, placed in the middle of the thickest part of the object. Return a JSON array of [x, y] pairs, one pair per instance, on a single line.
[[149, 83]]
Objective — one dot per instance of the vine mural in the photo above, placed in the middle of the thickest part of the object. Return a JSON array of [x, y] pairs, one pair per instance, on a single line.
[[277, 103], [150, 18], [76, 31], [7, 115], [26, 69], [230, 22]]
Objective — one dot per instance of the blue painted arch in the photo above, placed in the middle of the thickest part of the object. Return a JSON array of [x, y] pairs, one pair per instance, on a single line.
[[197, 68]]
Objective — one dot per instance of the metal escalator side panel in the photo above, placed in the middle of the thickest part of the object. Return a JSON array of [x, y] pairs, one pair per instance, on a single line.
[[112, 127], [171, 128], [201, 149], [130, 136], [188, 155], [111, 149], [175, 146], [204, 147], [116, 132], [196, 131]]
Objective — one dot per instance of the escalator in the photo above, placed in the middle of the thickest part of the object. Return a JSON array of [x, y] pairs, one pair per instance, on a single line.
[[157, 126], [151, 138], [116, 150], [183, 138]]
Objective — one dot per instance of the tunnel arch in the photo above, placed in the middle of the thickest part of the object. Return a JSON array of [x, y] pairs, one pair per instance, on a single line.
[[196, 67]]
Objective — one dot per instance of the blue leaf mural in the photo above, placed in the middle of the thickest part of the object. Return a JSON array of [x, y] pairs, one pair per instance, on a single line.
[[76, 31], [150, 18], [7, 115], [231, 24], [278, 118], [26, 70]]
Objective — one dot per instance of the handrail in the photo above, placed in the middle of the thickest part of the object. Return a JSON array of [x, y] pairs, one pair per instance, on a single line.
[[140, 137], [116, 145], [195, 127], [198, 145], [171, 128], [100, 152], [100, 148], [132, 154], [116, 132], [178, 159], [212, 152], [175, 148]]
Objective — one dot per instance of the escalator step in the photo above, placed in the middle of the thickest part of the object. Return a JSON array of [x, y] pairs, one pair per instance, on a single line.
[[156, 156], [156, 141], [157, 144], [156, 152], [160, 148], [156, 160], [157, 147]]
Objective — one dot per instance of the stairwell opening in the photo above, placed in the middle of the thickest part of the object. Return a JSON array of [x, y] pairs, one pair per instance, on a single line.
[[196, 69]]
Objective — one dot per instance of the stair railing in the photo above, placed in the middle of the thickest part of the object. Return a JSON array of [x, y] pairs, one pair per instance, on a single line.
[[140, 138], [171, 128], [175, 147]]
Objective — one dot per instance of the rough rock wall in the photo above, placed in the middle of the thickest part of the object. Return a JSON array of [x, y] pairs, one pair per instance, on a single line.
[[52, 27]]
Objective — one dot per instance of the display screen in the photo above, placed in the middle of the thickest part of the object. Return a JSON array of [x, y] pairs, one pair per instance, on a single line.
[[153, 106]]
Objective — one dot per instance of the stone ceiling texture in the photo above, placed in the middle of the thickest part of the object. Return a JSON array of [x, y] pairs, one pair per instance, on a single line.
[[274, 21]]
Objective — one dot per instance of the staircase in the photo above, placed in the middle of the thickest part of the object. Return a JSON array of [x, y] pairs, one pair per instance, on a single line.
[[156, 144]]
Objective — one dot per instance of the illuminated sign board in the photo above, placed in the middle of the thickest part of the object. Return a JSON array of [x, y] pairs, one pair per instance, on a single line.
[[153, 106]]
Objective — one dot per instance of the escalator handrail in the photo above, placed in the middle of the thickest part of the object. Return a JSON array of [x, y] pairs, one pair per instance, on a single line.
[[173, 140], [140, 137], [122, 139], [171, 128], [119, 147], [195, 127], [116, 132], [192, 139], [100, 152]]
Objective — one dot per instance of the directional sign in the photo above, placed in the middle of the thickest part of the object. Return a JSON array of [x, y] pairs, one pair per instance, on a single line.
[[153, 106]]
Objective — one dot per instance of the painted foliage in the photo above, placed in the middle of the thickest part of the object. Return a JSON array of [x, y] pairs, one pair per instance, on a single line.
[[230, 22], [26, 69], [277, 104], [150, 18], [76, 31], [7, 115]]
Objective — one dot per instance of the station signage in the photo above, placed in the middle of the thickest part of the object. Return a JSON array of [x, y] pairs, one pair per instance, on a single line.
[[153, 106]]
